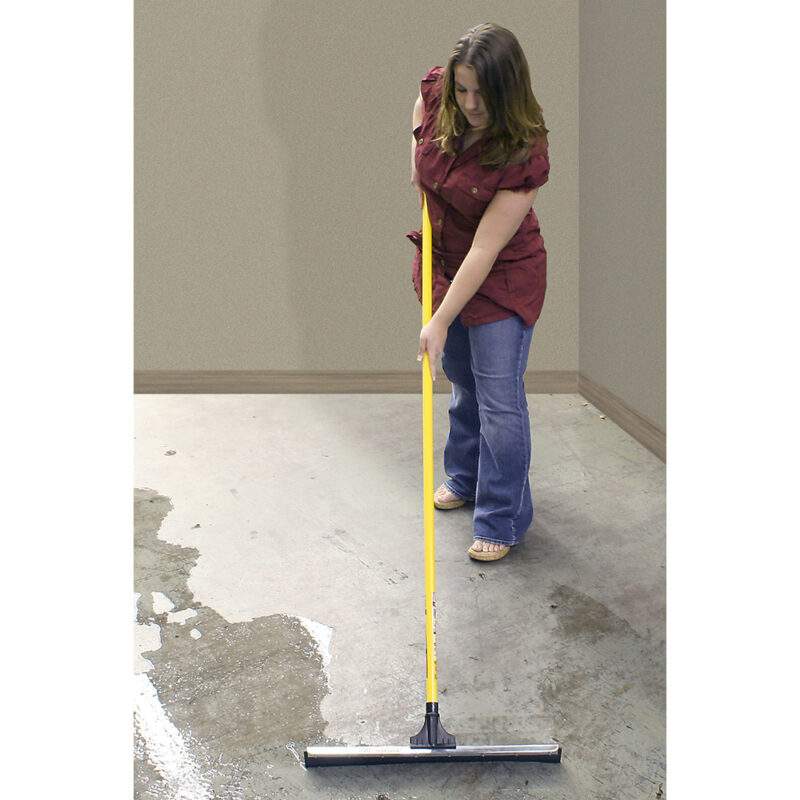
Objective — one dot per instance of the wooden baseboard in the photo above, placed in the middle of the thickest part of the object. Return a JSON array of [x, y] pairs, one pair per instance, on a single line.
[[290, 382], [398, 382], [641, 428]]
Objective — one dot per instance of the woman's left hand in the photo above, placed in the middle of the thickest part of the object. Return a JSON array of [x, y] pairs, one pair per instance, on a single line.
[[432, 338]]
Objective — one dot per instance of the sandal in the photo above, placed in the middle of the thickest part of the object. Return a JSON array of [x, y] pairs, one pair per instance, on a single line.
[[491, 555], [443, 492]]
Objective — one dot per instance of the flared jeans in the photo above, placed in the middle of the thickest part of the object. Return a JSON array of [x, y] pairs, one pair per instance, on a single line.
[[488, 450]]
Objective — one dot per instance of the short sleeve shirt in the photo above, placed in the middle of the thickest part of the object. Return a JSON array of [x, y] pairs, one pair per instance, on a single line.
[[458, 189]]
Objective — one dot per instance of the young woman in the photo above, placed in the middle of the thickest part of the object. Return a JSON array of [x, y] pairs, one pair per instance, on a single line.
[[479, 154]]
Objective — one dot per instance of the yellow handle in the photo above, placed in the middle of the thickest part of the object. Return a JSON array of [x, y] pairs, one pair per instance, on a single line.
[[427, 463]]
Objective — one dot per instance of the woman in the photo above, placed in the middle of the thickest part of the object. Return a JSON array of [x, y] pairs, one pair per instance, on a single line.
[[479, 154]]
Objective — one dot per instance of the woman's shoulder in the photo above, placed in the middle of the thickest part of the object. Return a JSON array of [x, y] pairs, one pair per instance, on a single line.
[[530, 171], [433, 74], [431, 89], [536, 146]]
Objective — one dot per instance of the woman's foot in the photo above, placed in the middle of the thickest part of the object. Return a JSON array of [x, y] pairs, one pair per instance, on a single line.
[[444, 498], [481, 550]]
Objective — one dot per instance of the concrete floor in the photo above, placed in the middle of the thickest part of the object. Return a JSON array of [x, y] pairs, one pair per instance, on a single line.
[[280, 602]]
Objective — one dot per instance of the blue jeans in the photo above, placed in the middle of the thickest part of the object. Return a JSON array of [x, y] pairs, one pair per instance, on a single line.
[[488, 450]]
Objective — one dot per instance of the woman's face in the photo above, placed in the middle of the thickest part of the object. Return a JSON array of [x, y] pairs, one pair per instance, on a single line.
[[468, 95]]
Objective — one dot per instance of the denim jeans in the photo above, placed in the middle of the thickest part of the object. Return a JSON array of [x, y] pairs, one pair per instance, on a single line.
[[488, 450]]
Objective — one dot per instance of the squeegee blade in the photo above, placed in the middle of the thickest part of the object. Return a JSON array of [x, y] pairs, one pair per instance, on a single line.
[[362, 754]]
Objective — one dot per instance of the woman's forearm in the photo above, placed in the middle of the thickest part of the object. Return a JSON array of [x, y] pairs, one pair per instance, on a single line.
[[471, 274]]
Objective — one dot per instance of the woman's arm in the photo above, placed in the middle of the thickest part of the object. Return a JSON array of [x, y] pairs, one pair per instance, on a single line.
[[416, 119], [499, 223]]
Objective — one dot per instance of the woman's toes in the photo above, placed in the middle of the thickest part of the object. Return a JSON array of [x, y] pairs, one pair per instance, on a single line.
[[481, 545]]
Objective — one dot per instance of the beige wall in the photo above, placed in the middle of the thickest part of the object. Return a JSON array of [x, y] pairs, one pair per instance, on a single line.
[[623, 201], [272, 195]]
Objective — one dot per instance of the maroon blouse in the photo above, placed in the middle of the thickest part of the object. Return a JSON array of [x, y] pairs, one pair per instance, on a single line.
[[458, 189]]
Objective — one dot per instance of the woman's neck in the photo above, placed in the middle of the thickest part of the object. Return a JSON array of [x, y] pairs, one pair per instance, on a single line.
[[470, 136]]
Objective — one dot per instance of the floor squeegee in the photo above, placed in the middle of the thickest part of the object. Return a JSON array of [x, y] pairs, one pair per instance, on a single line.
[[433, 742]]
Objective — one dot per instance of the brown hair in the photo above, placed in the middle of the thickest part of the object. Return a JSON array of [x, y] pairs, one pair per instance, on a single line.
[[516, 121]]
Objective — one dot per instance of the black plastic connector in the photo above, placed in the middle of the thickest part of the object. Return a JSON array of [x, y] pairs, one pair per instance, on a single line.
[[433, 735]]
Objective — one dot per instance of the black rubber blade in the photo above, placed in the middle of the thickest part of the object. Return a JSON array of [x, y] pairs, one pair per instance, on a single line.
[[363, 754]]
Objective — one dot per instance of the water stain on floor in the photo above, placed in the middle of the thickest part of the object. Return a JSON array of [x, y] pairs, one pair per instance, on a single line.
[[239, 700], [608, 695], [582, 616]]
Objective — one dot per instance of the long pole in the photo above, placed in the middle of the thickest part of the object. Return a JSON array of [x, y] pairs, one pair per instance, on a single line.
[[427, 463]]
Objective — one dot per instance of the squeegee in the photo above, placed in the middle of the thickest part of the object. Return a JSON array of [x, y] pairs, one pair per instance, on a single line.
[[433, 742]]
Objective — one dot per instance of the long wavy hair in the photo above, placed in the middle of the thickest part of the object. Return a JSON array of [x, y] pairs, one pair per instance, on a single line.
[[516, 121]]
